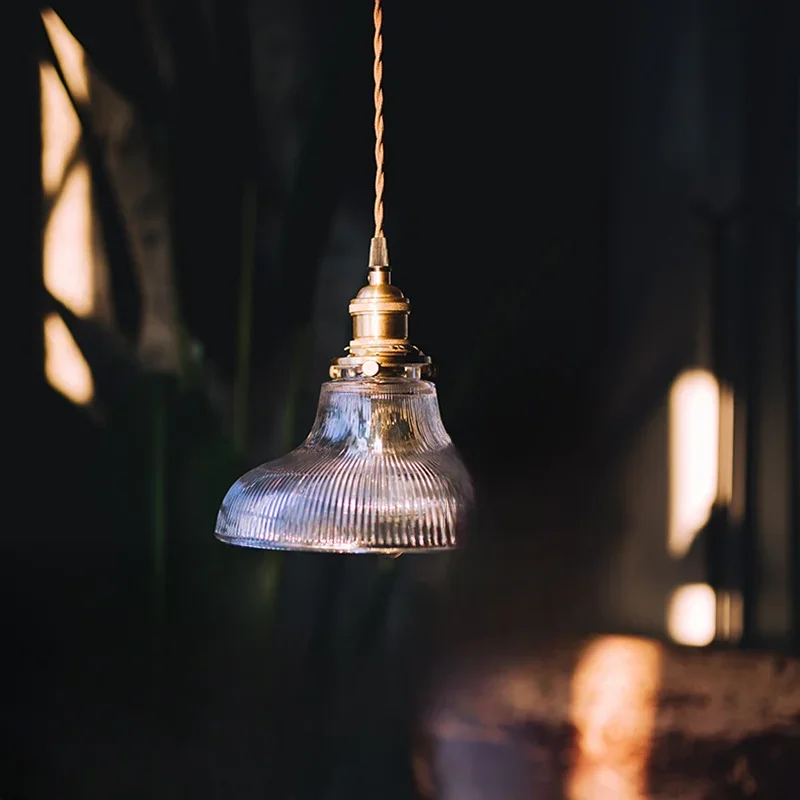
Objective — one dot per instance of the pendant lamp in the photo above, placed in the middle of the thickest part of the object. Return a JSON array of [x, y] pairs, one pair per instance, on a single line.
[[378, 473]]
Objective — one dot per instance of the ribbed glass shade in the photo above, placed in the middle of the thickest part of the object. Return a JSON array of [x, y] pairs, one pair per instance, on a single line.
[[377, 473]]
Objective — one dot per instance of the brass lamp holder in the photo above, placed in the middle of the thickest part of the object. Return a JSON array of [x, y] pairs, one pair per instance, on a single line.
[[380, 345]]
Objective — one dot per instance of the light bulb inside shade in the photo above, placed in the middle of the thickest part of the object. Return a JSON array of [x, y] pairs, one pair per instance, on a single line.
[[378, 473]]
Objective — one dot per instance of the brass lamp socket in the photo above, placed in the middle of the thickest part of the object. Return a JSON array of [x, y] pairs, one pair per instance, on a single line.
[[380, 345]]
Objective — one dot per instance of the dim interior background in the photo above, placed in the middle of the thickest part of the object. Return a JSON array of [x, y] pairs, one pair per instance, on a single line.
[[594, 214]]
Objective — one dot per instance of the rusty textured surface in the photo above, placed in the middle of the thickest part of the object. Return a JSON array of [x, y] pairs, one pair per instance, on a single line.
[[693, 724]]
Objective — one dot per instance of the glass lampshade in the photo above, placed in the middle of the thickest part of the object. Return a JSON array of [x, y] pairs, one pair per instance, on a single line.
[[377, 473]]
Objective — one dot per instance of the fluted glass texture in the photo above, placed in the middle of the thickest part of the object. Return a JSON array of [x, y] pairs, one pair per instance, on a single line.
[[377, 473]]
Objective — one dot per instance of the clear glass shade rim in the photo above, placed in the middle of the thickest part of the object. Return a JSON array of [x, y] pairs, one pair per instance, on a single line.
[[378, 473]]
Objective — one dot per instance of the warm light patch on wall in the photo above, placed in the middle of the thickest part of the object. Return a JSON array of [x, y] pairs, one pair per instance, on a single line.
[[65, 367], [614, 700], [61, 130], [70, 55], [694, 437], [692, 615], [68, 251], [69, 268]]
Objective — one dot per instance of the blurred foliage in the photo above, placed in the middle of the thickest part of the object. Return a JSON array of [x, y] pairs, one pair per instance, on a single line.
[[200, 628], [178, 456]]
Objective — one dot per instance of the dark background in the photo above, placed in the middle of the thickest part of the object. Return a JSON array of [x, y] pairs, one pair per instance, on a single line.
[[583, 200]]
